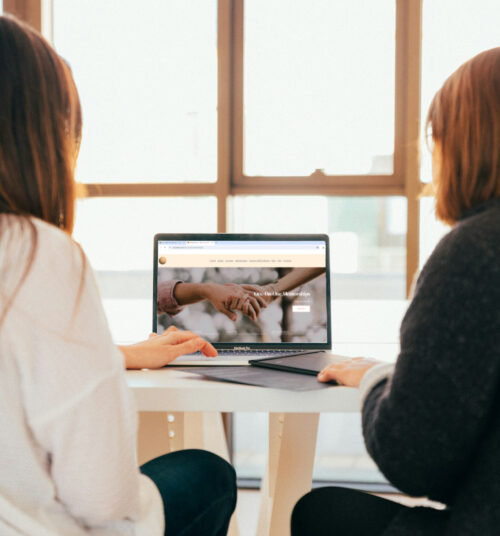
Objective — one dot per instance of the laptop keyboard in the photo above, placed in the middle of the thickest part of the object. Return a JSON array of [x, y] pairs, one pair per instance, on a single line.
[[231, 355], [259, 353]]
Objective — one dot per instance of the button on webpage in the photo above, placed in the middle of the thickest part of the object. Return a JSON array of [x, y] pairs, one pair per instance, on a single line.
[[301, 308]]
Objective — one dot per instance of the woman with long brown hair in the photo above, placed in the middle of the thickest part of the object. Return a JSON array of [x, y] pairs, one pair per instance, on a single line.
[[431, 421], [67, 420]]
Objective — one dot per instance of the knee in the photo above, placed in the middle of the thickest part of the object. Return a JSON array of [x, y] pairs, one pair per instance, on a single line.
[[192, 471], [218, 473], [312, 507], [302, 510]]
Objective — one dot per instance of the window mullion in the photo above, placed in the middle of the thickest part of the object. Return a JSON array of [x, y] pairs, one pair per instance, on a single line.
[[408, 68]]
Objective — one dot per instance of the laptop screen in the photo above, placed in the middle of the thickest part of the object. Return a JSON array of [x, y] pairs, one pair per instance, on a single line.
[[252, 292]]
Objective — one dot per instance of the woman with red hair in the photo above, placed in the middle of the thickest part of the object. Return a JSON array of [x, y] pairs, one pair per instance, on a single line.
[[430, 421]]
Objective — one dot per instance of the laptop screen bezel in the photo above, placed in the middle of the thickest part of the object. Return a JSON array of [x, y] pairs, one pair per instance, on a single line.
[[252, 237]]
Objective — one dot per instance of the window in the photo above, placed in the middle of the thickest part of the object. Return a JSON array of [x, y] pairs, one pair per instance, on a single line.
[[117, 236], [452, 35], [205, 115], [305, 107], [368, 236], [146, 118]]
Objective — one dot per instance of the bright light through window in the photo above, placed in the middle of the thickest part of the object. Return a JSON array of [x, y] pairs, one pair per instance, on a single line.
[[147, 77], [319, 87], [453, 32]]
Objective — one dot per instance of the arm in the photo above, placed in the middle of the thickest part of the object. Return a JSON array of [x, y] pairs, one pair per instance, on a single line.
[[423, 418], [422, 425], [91, 444], [166, 299], [296, 278], [290, 281], [225, 298], [78, 407]]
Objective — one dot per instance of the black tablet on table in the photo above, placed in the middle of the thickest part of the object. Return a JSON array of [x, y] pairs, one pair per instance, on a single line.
[[309, 364]]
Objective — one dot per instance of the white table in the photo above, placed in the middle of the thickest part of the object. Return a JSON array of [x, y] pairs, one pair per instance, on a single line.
[[181, 410]]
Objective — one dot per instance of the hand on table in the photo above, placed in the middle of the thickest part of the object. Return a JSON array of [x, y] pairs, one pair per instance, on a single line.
[[349, 372], [159, 350]]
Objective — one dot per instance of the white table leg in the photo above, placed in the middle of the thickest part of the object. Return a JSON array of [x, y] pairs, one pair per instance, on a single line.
[[292, 444]]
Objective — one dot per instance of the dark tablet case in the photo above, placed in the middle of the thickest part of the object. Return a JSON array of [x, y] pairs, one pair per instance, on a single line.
[[309, 364]]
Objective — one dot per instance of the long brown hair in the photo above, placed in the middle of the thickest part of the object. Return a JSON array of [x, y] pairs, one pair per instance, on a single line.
[[40, 130], [40, 127], [464, 118]]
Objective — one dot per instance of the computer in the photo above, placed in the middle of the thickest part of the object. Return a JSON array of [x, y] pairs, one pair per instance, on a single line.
[[253, 296]]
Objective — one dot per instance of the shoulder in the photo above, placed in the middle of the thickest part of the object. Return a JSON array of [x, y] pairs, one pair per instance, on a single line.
[[43, 269], [54, 318], [471, 248], [53, 242], [33, 240], [463, 271]]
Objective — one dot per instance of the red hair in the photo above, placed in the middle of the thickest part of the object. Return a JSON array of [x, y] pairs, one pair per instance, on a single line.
[[464, 117]]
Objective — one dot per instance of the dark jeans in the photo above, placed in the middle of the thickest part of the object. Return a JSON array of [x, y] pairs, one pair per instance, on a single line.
[[342, 512], [198, 491]]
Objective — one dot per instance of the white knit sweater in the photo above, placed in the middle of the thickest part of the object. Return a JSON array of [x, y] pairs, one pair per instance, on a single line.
[[67, 419]]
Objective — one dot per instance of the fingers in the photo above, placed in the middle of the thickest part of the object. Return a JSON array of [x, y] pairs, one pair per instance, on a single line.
[[230, 314], [256, 292], [177, 336], [249, 310], [258, 296], [208, 349], [253, 288], [168, 330], [349, 372], [187, 342], [194, 345], [256, 305], [328, 374], [235, 303]]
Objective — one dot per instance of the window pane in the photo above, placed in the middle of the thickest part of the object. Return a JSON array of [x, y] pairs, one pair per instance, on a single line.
[[368, 244], [319, 87], [368, 236], [147, 77], [453, 32], [117, 236]]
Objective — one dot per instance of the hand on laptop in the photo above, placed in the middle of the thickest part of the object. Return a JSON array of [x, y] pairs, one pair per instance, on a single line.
[[159, 350]]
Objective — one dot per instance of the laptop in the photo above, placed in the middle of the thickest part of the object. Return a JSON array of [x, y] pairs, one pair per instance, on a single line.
[[253, 296]]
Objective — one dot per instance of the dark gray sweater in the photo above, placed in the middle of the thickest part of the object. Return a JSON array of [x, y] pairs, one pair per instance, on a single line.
[[433, 428]]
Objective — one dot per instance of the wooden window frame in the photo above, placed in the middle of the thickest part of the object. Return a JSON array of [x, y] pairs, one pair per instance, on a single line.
[[405, 181], [384, 184]]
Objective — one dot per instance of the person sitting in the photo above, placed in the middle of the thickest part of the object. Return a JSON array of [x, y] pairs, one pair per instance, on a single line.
[[67, 419], [431, 421]]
